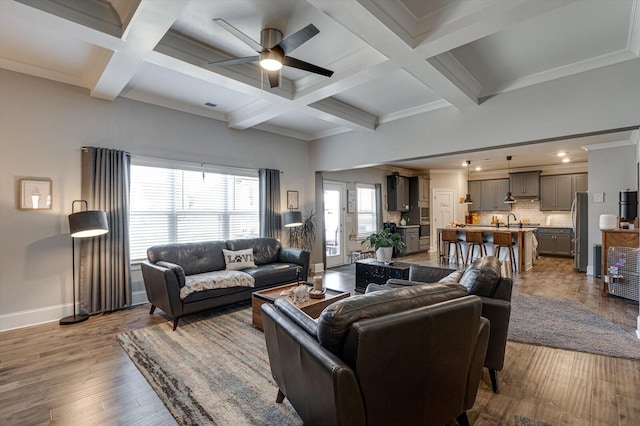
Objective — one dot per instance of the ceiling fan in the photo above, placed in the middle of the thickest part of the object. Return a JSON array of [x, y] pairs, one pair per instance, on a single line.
[[273, 51]]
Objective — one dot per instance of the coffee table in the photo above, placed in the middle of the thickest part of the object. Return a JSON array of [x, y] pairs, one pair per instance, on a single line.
[[312, 307]]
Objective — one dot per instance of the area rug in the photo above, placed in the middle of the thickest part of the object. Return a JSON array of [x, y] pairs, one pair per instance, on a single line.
[[526, 421], [213, 370], [567, 324]]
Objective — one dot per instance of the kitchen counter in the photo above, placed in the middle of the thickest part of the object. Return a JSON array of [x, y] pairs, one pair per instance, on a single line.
[[523, 246], [407, 226]]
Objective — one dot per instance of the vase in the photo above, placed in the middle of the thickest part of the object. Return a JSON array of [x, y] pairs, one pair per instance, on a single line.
[[383, 254]]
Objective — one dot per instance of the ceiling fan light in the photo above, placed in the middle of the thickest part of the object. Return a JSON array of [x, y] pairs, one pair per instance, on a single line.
[[270, 61]]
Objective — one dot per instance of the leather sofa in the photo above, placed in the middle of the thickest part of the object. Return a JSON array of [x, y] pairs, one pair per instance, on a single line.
[[410, 356], [488, 278], [170, 266]]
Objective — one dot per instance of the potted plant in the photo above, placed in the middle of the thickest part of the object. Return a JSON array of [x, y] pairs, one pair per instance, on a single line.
[[383, 242], [304, 236]]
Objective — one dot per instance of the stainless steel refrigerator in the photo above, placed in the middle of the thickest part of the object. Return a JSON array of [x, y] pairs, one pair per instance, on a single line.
[[579, 222]]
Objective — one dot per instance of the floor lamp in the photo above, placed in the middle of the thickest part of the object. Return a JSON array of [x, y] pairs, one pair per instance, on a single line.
[[83, 224], [291, 220]]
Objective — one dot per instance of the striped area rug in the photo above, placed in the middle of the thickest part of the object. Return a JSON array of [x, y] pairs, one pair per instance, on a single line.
[[213, 370]]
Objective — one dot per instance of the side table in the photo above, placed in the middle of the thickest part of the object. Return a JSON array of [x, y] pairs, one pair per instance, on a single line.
[[371, 271]]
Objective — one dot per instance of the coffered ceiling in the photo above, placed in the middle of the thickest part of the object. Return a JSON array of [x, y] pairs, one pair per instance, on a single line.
[[392, 58]]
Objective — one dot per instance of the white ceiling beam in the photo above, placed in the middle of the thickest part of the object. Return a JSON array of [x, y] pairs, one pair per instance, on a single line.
[[360, 21], [150, 22], [334, 111]]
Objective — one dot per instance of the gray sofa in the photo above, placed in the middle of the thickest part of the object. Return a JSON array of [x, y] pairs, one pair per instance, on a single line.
[[172, 266]]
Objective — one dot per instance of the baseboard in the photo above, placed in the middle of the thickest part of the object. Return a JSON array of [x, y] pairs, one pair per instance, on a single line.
[[31, 317], [318, 267], [35, 316], [590, 270]]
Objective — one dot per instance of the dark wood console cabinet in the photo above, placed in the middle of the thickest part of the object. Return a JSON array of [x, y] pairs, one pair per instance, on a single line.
[[371, 271]]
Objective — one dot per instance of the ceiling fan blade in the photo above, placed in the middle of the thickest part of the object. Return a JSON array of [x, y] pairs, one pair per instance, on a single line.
[[274, 78], [239, 34], [306, 66], [290, 43], [235, 61]]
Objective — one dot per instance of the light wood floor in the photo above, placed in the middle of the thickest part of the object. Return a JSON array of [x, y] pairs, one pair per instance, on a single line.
[[79, 375]]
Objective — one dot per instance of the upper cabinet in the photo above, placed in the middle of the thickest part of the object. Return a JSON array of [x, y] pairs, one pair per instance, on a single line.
[[525, 185], [580, 182], [423, 189], [488, 195], [556, 192], [397, 193]]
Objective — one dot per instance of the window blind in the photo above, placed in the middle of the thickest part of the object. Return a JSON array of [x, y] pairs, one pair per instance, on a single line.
[[174, 205], [367, 214]]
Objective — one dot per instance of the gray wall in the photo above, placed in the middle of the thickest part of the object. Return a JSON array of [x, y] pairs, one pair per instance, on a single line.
[[43, 126], [602, 99], [611, 170]]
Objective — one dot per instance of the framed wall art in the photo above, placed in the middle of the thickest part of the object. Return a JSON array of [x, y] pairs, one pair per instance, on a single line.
[[292, 200], [35, 194]]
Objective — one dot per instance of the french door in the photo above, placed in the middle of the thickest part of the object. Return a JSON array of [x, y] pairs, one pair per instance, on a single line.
[[334, 196]]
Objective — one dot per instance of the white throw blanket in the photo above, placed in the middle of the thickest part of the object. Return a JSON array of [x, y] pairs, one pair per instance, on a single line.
[[215, 279]]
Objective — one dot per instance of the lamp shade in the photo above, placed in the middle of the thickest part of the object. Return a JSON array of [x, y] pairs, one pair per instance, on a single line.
[[292, 219], [509, 198], [90, 223]]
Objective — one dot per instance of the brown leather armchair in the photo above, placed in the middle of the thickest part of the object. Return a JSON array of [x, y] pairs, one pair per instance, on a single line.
[[489, 279], [404, 356]]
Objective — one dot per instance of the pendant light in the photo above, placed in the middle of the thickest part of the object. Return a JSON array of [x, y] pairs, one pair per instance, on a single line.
[[509, 198], [467, 199]]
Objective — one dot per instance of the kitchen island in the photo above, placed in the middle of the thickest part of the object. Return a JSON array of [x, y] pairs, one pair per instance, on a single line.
[[522, 238]]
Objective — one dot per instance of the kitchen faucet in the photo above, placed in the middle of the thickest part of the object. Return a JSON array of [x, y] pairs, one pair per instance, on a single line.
[[514, 218]]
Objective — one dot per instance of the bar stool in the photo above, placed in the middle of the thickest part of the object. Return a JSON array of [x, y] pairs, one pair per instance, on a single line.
[[450, 237], [504, 239], [474, 240]]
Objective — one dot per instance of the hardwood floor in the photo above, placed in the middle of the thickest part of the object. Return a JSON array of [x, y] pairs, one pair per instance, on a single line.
[[79, 375]]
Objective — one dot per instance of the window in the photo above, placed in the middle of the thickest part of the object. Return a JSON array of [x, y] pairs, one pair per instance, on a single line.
[[174, 205], [367, 214]]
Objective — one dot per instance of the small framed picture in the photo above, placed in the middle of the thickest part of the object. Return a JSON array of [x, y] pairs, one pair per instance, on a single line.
[[292, 200], [35, 194]]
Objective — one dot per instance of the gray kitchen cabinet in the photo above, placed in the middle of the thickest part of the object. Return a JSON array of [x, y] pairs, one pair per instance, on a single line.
[[411, 238], [475, 190], [580, 182], [493, 193], [397, 193], [555, 241], [525, 184], [423, 189], [556, 192]]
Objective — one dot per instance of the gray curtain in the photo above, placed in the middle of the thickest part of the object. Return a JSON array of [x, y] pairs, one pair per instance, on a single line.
[[270, 221], [105, 272]]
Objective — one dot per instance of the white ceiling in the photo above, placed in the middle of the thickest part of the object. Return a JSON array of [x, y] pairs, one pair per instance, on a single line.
[[392, 58]]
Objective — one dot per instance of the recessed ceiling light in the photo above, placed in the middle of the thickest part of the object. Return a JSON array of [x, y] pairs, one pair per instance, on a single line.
[[561, 154], [566, 160], [478, 169]]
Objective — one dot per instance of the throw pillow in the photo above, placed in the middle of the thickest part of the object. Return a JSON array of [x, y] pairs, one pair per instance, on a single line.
[[237, 260]]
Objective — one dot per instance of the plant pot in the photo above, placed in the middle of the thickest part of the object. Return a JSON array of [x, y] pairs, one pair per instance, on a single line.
[[383, 254]]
